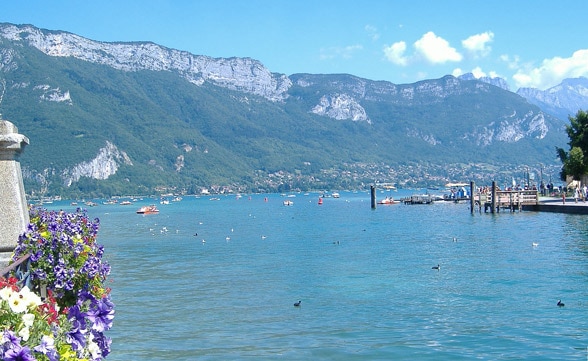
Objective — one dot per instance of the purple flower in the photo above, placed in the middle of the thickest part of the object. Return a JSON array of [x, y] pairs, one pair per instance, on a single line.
[[75, 337], [101, 313], [103, 343], [10, 339], [76, 315], [47, 348], [19, 353]]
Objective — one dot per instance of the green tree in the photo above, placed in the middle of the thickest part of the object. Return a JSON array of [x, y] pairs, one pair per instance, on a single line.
[[575, 162]]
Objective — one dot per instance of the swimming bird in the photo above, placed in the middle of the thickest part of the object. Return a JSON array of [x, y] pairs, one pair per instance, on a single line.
[[535, 244], [560, 304], [297, 304], [437, 267], [454, 239]]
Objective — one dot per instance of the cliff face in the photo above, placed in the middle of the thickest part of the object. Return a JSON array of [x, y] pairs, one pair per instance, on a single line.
[[105, 164], [242, 74]]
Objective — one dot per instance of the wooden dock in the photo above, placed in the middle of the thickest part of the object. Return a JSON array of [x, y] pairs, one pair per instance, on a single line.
[[494, 200], [511, 200]]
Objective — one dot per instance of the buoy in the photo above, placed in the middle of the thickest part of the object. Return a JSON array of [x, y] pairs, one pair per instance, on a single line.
[[320, 201]]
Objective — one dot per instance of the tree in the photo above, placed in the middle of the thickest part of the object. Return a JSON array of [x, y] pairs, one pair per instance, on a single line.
[[575, 162]]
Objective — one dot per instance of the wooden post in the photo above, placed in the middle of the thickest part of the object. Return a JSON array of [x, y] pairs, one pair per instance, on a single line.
[[472, 200], [373, 196], [493, 197]]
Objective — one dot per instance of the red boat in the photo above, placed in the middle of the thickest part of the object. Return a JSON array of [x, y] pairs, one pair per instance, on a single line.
[[148, 210]]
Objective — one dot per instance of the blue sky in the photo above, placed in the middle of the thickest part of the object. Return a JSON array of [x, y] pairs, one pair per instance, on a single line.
[[529, 43]]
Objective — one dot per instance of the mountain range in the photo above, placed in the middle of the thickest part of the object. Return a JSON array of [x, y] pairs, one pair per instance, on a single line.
[[139, 118]]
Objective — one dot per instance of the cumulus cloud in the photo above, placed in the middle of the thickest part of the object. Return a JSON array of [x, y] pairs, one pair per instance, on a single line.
[[553, 71], [457, 72], [395, 53], [435, 49], [478, 44], [477, 72]]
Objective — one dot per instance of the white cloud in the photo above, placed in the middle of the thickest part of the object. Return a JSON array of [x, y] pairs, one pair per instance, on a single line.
[[395, 53], [512, 63], [553, 71], [478, 44], [436, 49], [457, 72], [478, 73], [345, 52], [372, 31]]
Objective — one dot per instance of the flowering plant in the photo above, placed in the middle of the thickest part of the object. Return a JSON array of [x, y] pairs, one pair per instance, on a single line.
[[66, 260]]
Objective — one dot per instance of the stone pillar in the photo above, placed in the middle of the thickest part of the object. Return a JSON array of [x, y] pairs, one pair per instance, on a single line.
[[14, 213]]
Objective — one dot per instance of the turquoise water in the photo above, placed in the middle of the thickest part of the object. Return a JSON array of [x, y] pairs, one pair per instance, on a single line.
[[364, 277]]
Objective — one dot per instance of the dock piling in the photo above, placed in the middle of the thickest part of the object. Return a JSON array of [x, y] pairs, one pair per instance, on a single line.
[[472, 200], [493, 197]]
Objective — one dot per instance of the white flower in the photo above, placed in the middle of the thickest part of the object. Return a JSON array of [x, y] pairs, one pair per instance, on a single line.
[[31, 298], [5, 293], [20, 301], [24, 333], [28, 319], [17, 303], [93, 348]]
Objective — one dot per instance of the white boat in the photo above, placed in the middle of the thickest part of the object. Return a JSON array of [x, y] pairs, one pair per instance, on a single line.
[[288, 202], [388, 200]]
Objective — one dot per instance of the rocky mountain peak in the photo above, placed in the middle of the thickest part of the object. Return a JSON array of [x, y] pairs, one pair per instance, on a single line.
[[242, 74]]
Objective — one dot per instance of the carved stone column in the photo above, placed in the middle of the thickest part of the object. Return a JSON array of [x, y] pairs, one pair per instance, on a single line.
[[14, 213]]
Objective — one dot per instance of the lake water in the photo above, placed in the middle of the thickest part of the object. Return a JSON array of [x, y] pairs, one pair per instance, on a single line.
[[364, 277]]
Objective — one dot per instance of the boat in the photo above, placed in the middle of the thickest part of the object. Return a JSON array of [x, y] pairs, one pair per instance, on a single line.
[[148, 210], [125, 203], [288, 202], [388, 200], [336, 195]]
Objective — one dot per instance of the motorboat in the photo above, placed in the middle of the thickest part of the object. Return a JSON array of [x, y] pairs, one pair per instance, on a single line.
[[388, 200], [148, 210]]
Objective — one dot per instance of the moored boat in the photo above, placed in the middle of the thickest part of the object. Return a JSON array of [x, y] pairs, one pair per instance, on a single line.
[[388, 200]]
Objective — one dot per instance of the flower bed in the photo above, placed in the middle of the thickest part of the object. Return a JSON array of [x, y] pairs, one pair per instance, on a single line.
[[66, 268]]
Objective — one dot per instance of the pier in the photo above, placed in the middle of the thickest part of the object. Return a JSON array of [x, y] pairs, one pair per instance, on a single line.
[[495, 199], [511, 200], [523, 200]]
